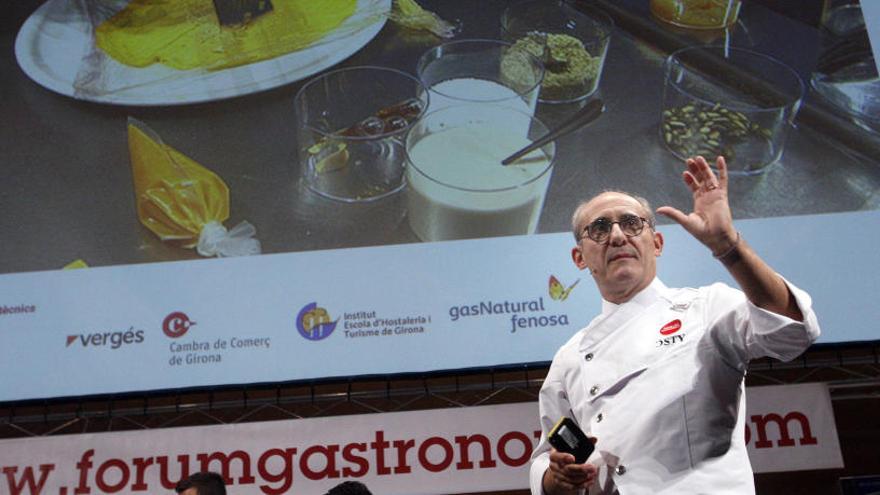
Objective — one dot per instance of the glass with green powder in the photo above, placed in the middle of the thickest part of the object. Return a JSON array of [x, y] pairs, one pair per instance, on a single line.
[[570, 40]]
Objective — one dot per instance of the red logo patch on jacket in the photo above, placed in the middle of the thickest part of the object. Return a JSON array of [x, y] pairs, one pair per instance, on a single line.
[[671, 327]]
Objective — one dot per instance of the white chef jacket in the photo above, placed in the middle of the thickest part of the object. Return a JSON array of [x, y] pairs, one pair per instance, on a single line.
[[667, 408]]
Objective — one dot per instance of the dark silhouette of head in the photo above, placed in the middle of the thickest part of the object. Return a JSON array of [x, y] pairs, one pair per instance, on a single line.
[[205, 483], [349, 488]]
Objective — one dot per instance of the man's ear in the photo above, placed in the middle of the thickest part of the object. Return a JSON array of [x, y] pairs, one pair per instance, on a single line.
[[578, 257], [658, 243]]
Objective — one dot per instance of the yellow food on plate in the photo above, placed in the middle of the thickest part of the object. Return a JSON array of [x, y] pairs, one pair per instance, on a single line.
[[186, 34]]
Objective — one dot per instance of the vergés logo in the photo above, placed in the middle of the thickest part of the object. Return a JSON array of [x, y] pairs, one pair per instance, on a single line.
[[112, 339], [176, 324], [314, 322]]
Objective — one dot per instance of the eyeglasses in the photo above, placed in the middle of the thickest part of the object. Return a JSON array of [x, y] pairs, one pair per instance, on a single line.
[[600, 230]]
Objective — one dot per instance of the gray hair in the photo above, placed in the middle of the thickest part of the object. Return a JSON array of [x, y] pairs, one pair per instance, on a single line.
[[576, 229]]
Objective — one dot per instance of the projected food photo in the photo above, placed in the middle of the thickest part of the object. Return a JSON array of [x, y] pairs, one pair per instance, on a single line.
[[329, 124]]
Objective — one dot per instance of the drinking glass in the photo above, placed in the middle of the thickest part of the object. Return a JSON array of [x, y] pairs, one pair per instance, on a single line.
[[350, 128]]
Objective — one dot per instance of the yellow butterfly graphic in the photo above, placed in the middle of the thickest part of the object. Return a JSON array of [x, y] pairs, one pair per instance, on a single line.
[[557, 291]]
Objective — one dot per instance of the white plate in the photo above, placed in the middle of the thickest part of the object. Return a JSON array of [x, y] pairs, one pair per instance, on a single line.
[[52, 42]]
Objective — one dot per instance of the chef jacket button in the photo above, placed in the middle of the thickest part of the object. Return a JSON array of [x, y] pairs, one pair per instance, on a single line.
[[594, 390], [589, 357], [599, 418], [620, 470]]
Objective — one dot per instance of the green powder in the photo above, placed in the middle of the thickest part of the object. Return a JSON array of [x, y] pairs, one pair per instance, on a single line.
[[570, 70]]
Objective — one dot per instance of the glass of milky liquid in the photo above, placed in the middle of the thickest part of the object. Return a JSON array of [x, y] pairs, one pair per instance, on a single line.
[[456, 185], [478, 72]]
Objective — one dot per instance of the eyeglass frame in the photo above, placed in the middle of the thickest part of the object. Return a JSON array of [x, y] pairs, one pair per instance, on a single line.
[[644, 221]]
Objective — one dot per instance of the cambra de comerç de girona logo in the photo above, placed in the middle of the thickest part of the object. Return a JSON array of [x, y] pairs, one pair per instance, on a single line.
[[314, 323], [201, 348], [176, 324], [524, 313]]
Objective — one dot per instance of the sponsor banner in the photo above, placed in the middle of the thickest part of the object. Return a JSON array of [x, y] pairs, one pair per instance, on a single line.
[[439, 451], [295, 316], [377, 310], [791, 428]]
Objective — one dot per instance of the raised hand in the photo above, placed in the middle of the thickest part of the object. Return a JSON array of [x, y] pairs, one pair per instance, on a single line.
[[711, 221]]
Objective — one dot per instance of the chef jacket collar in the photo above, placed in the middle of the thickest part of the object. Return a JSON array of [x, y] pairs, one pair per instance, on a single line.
[[643, 299], [615, 315]]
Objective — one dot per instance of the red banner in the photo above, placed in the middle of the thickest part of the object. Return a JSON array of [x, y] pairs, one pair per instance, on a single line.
[[421, 452]]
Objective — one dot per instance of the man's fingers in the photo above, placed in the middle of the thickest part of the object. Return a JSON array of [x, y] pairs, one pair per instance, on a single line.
[[704, 174], [558, 468], [568, 475], [561, 458], [721, 164], [697, 170], [690, 181], [569, 482], [578, 471], [674, 213], [705, 169], [573, 476]]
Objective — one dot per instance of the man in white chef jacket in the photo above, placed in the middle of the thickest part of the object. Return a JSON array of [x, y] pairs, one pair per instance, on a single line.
[[657, 378]]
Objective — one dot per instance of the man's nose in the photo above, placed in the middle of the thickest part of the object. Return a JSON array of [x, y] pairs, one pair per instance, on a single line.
[[616, 237]]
